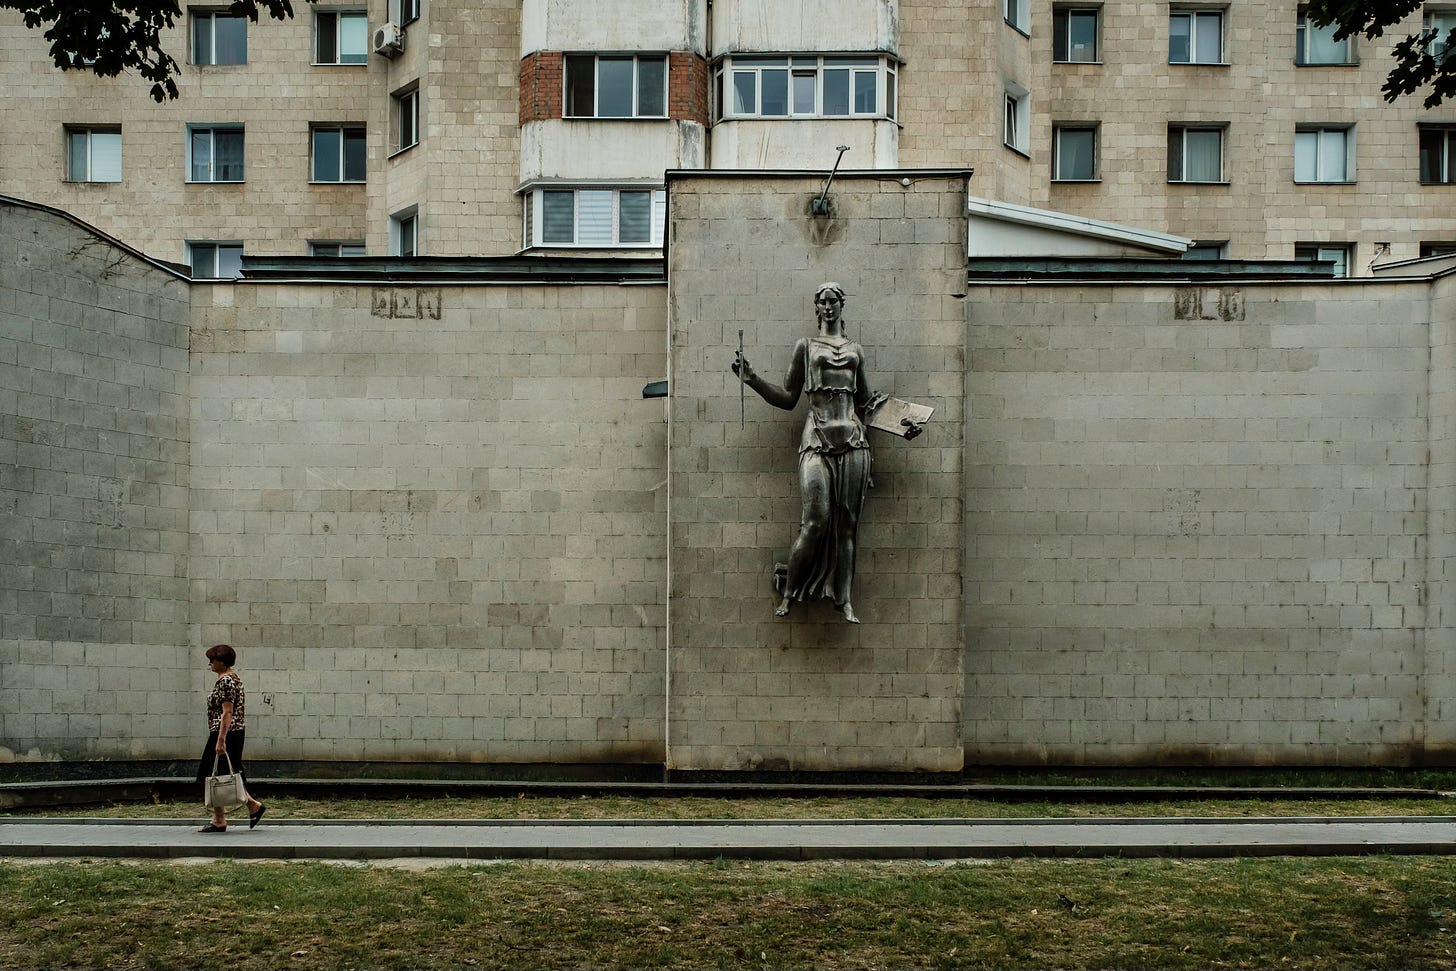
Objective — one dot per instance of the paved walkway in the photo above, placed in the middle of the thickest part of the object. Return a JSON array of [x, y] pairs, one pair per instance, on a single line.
[[736, 839]]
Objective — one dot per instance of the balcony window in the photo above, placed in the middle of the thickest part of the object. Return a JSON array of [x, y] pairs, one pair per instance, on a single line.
[[212, 260], [616, 86], [806, 86], [602, 218]]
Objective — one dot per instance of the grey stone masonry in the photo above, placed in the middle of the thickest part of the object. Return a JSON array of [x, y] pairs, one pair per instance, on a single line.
[[93, 493]]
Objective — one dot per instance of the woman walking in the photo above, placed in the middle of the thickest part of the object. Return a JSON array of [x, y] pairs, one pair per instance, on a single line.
[[225, 724]]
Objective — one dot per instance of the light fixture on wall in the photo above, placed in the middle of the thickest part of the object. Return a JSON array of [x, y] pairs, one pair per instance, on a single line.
[[820, 206]]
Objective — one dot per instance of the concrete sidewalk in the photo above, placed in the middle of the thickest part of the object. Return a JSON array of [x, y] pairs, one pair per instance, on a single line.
[[732, 839]]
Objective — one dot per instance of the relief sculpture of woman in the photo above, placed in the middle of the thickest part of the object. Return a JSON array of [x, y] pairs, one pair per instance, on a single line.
[[834, 453]]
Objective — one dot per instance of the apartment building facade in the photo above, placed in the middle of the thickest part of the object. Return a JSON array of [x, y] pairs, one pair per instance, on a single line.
[[491, 127]]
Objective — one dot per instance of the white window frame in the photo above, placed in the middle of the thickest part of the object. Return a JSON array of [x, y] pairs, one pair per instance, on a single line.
[[212, 130], [1063, 127], [657, 214], [89, 133], [1063, 32], [196, 16], [1016, 119], [636, 93], [1017, 13], [337, 15], [405, 104], [216, 246], [1433, 248], [1196, 16], [1182, 133], [1341, 254], [404, 227], [1447, 161], [1304, 30], [313, 154], [884, 69], [1325, 158], [338, 246], [1436, 26], [406, 11]]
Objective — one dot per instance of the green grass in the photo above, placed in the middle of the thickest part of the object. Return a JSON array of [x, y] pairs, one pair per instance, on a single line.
[[623, 807], [1368, 912]]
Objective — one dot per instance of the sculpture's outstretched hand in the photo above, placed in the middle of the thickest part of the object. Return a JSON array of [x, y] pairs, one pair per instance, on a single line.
[[912, 427], [742, 368]]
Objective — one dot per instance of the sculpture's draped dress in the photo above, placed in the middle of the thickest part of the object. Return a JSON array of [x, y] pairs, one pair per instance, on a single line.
[[834, 469]]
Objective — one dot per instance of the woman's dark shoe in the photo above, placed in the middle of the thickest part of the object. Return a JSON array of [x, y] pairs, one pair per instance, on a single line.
[[254, 817], [212, 828]]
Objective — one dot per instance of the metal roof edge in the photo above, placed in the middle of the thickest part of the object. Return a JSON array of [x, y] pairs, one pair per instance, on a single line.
[[895, 174], [172, 269], [462, 270], [1055, 269], [1081, 225]]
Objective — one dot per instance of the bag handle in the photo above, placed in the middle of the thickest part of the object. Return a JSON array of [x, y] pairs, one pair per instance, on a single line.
[[225, 756]]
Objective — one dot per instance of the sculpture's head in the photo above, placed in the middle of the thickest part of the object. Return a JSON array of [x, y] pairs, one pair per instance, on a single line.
[[829, 303]]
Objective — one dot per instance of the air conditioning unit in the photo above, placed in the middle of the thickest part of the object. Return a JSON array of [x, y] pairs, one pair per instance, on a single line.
[[389, 40]]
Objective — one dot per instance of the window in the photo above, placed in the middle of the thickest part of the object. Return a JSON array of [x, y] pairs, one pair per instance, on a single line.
[[213, 260], [409, 11], [1323, 155], [1336, 253], [1204, 249], [219, 38], [338, 154], [404, 233], [93, 155], [805, 86], [406, 119], [1438, 154], [596, 217], [340, 37], [616, 86], [346, 248], [1017, 119], [216, 154], [1317, 45], [1437, 249], [1074, 35], [1195, 153], [1437, 26], [1015, 12], [1195, 37], [1074, 150]]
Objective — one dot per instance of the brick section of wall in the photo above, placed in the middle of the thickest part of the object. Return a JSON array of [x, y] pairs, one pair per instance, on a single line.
[[810, 691], [433, 521], [687, 87], [541, 85], [1197, 524], [93, 497]]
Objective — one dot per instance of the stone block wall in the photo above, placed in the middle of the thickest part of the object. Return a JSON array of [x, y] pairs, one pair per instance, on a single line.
[[93, 496], [1438, 687], [432, 519], [1197, 524], [749, 690]]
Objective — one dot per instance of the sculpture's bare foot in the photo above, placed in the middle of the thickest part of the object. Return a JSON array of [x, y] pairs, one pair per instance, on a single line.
[[782, 610], [848, 612]]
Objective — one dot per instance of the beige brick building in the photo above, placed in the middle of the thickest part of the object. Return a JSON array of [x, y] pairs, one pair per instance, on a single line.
[[486, 127]]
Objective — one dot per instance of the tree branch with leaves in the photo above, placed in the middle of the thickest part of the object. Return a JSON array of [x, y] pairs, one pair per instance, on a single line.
[[108, 37], [1421, 59]]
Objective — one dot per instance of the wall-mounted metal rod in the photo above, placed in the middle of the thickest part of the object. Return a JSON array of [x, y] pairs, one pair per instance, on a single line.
[[820, 206]]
